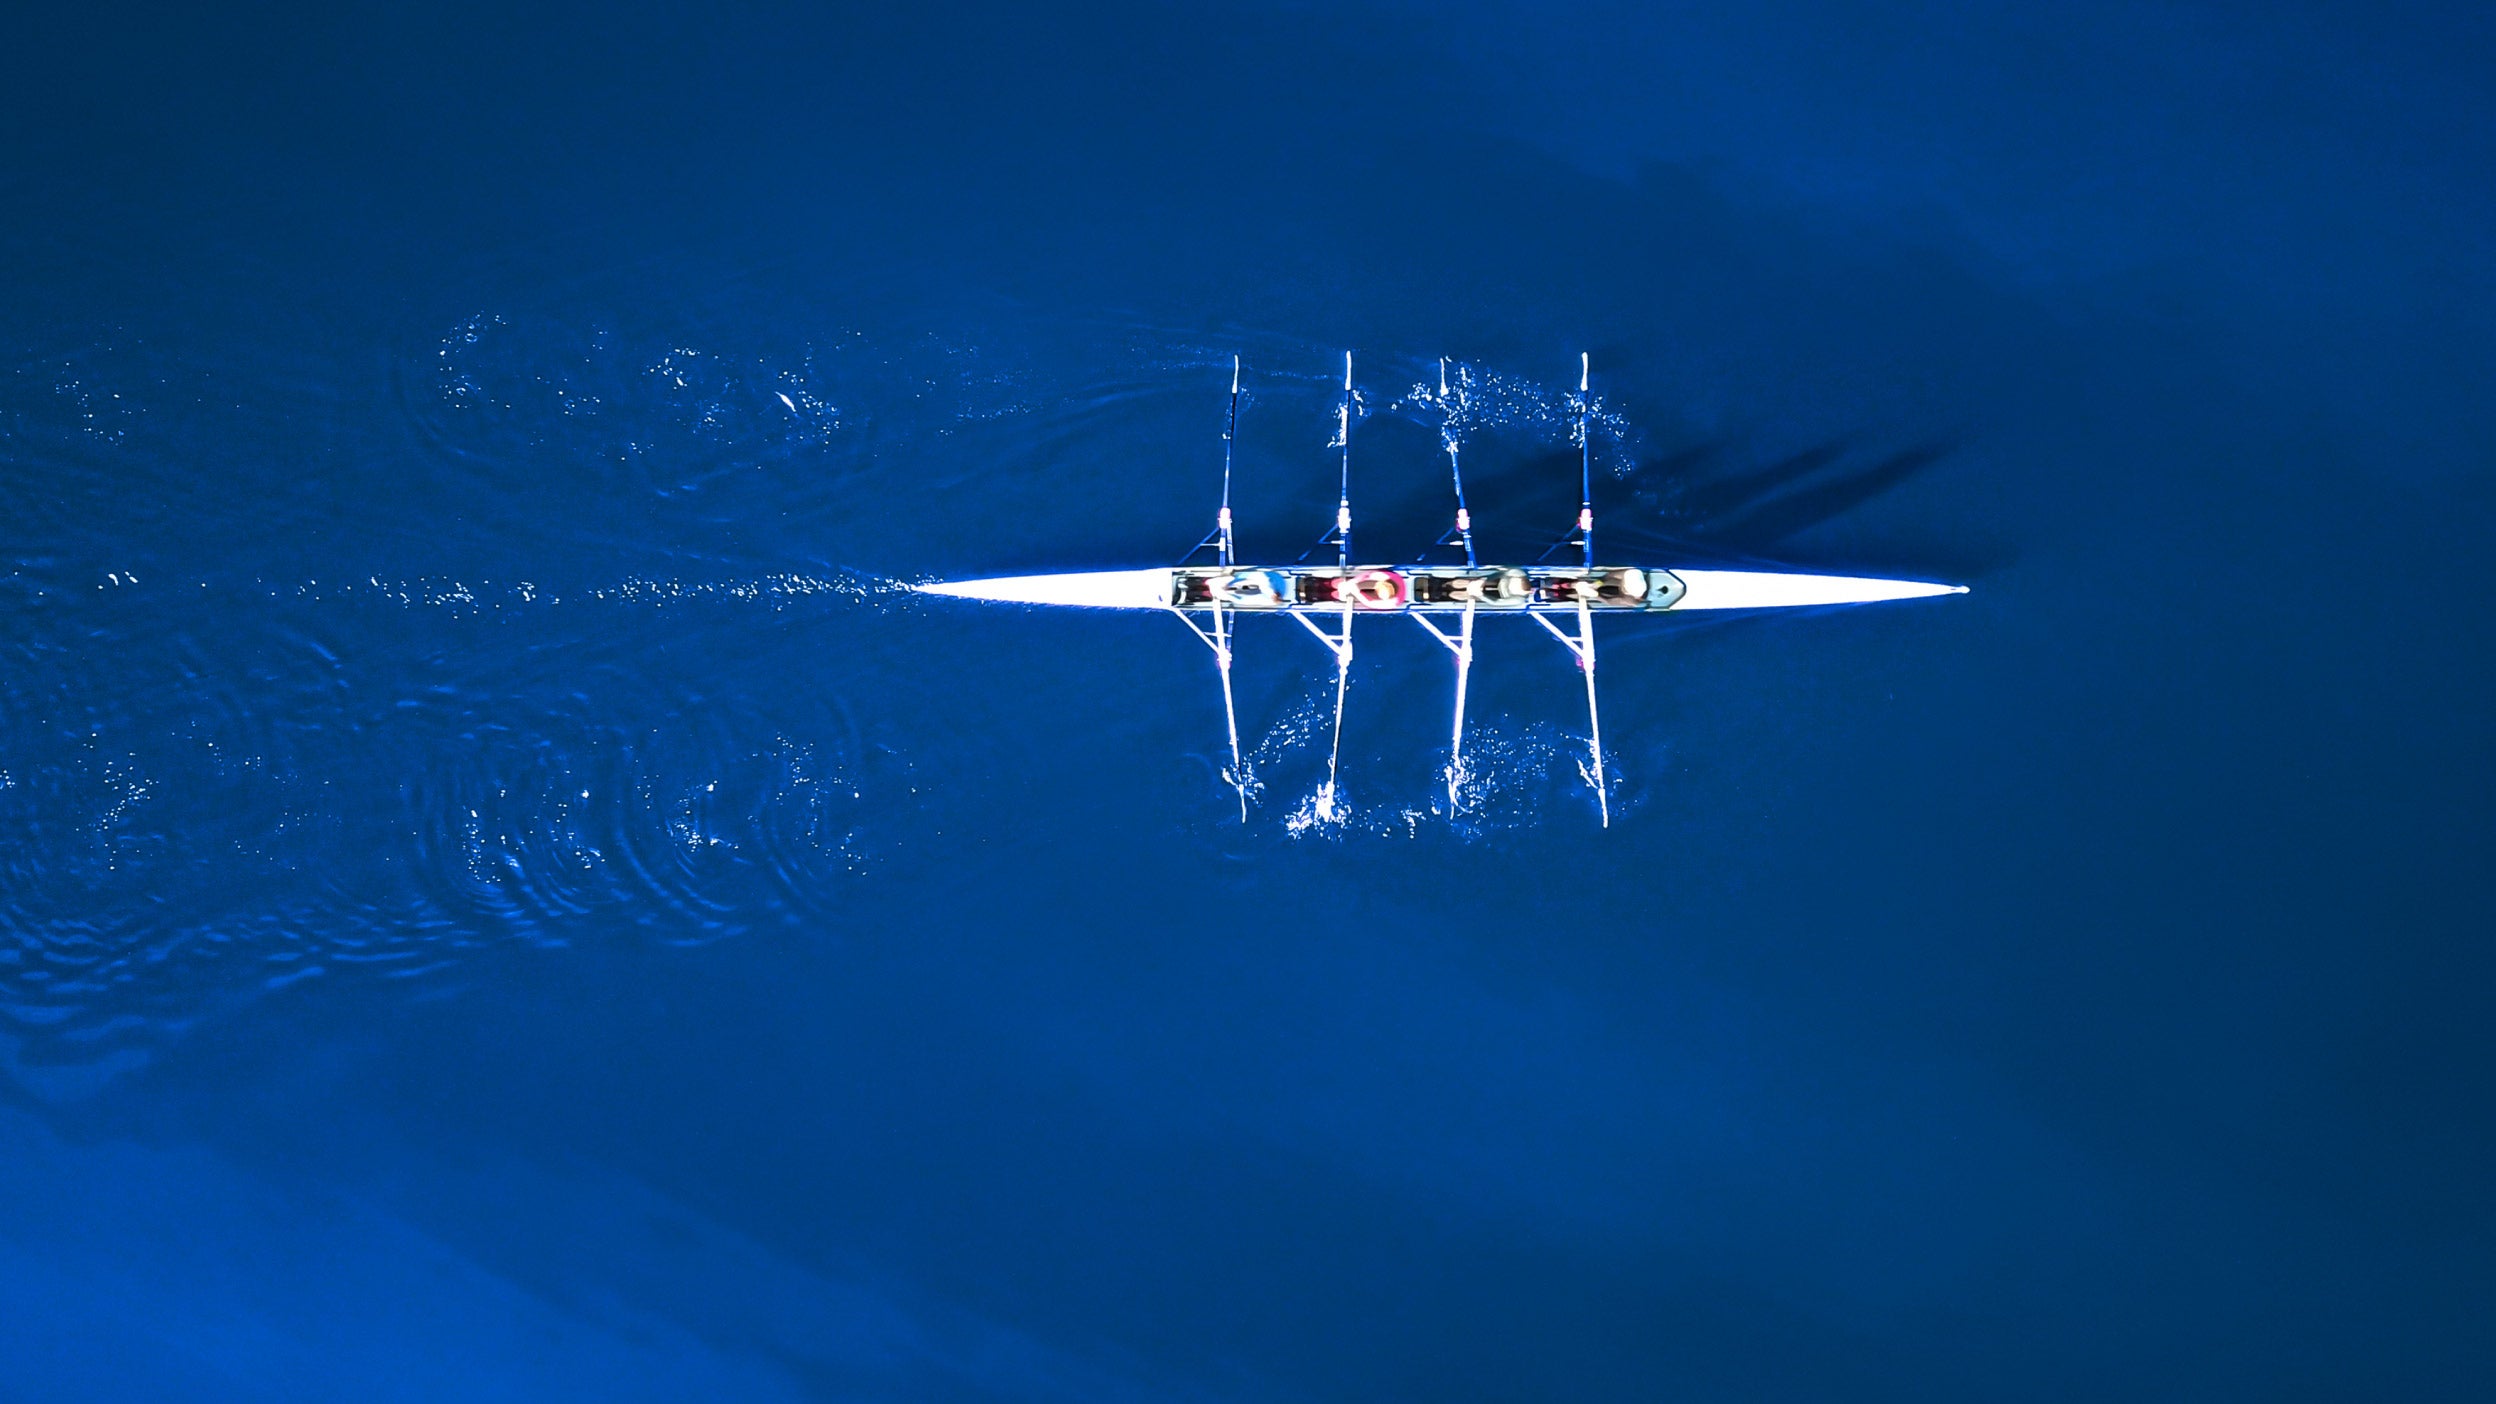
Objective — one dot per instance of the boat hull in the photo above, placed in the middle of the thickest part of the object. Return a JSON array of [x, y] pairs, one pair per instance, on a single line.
[[1435, 590]]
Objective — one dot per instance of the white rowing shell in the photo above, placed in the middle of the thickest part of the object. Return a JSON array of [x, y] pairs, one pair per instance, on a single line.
[[1707, 589]]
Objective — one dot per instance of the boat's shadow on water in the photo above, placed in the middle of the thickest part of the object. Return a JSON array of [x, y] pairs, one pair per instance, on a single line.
[[1708, 503]]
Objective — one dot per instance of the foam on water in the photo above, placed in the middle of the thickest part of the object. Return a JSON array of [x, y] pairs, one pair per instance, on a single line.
[[1474, 400], [525, 716]]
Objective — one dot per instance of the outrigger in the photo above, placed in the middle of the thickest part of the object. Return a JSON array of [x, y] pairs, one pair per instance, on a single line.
[[1444, 599]]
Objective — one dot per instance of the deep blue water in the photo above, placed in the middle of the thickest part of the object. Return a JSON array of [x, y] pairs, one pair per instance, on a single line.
[[503, 898]]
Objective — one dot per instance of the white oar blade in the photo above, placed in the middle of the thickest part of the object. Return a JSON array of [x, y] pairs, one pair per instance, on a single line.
[[1097, 589], [1760, 589]]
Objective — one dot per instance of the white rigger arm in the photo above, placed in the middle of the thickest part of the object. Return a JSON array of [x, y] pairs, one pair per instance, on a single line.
[[1583, 646], [1340, 643], [1218, 638], [1461, 642]]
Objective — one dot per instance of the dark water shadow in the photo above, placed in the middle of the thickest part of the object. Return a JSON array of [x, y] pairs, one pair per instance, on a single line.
[[1696, 503], [1701, 504]]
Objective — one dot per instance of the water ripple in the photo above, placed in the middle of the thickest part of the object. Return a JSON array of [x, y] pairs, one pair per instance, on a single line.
[[556, 647]]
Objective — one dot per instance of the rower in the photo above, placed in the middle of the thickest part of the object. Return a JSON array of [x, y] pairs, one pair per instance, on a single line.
[[1250, 589], [1374, 589], [1486, 588]]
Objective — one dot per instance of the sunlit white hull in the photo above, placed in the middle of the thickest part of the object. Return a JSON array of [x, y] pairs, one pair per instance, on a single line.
[[1097, 589], [1764, 589], [1160, 588]]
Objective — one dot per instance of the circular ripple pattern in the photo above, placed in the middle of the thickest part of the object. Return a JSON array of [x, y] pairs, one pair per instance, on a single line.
[[570, 631]]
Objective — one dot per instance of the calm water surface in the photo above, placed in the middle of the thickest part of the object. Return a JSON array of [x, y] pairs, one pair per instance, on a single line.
[[505, 894]]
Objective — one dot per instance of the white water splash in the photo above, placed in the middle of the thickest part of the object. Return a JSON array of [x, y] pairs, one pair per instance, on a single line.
[[1475, 399], [779, 590], [1512, 778]]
